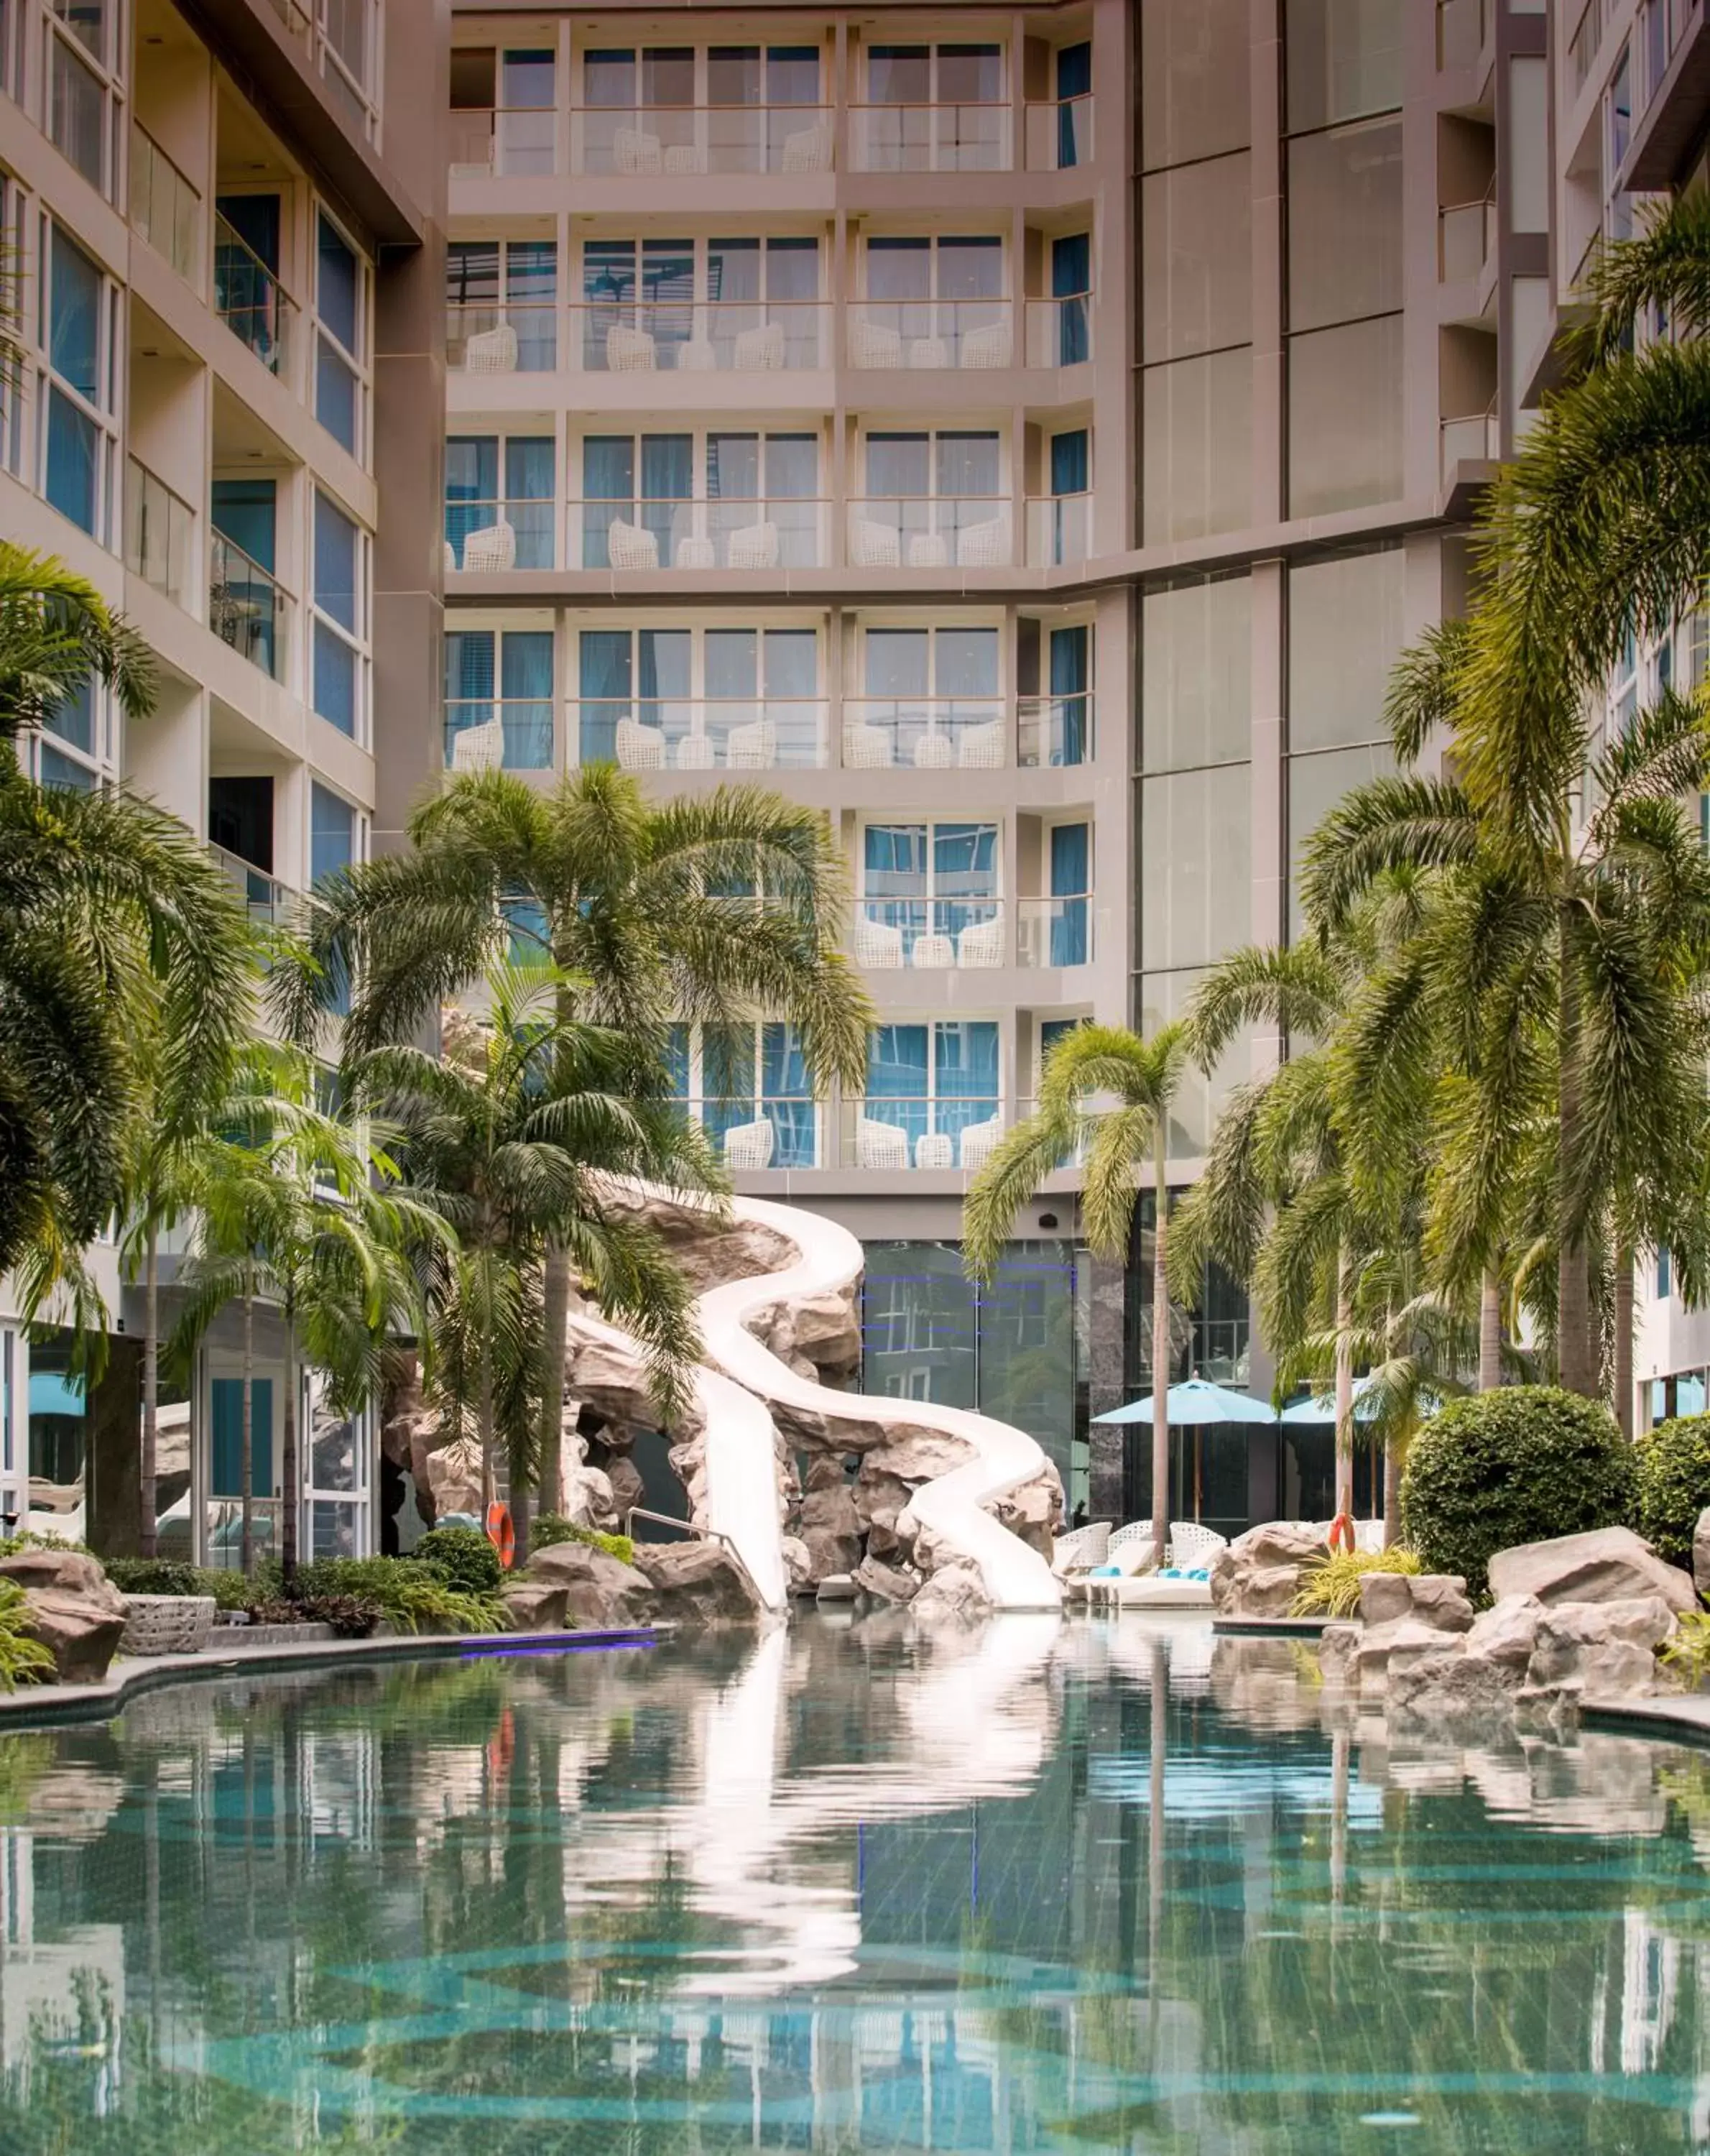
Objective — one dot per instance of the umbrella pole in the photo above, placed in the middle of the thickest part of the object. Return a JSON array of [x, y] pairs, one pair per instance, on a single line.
[[1199, 1469]]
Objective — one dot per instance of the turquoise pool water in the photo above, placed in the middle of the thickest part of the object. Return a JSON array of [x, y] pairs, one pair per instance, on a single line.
[[1043, 1888]]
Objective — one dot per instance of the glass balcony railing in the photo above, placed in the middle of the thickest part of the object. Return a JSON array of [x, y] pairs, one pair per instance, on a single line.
[[709, 336], [1474, 439], [1583, 44], [158, 528], [485, 536], [900, 1133], [928, 934], [268, 900], [931, 138], [1467, 234], [714, 733], [686, 141], [250, 301], [1054, 932], [510, 336], [937, 531], [932, 334], [513, 142], [925, 733], [165, 208], [1060, 330], [509, 733], [1054, 730], [1059, 531], [779, 533], [1059, 133], [754, 1131], [246, 607]]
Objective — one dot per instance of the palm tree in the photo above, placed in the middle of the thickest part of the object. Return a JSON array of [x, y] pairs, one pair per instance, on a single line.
[[1120, 1141], [515, 1137], [715, 909]]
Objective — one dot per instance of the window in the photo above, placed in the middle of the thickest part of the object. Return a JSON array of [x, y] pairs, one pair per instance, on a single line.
[[1196, 898], [345, 46], [930, 501], [688, 501], [700, 698], [84, 96], [1196, 675], [333, 830], [78, 451], [499, 678], [933, 108], [922, 886], [341, 620], [502, 294], [72, 746], [341, 344], [749, 1086], [1345, 224], [1344, 417], [501, 500], [930, 1083], [1070, 872], [928, 697], [1343, 59], [1055, 726], [751, 303], [1196, 78], [1344, 635], [682, 109], [1197, 447], [1665, 1280], [1196, 249]]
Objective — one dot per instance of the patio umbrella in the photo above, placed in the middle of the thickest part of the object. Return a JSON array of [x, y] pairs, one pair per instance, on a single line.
[[1196, 1401]]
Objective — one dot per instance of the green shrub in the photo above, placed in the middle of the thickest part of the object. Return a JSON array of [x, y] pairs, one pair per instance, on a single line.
[[413, 1596], [553, 1527], [155, 1575], [24, 1658], [1520, 1464], [10, 1545], [1332, 1589], [468, 1561], [1673, 1463], [1686, 1651]]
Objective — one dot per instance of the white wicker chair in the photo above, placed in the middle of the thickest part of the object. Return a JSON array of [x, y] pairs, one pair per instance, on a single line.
[[695, 752], [872, 344], [1129, 1549], [639, 747], [1080, 1547], [981, 943], [980, 748], [491, 547], [934, 751], [978, 1142], [760, 350], [873, 545], [807, 149], [450, 558], [1192, 1545], [636, 153], [748, 1145], [699, 356], [929, 550], [875, 945], [632, 546], [491, 352], [753, 546], [683, 159], [478, 748], [880, 1145], [932, 952], [991, 345], [984, 546], [752, 748], [865, 748], [934, 1149], [630, 350]]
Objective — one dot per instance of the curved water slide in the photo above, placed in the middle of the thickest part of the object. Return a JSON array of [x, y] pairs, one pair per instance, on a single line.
[[740, 1381]]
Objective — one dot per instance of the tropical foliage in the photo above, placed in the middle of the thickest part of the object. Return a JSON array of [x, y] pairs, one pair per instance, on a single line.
[[1332, 1589], [1674, 1484]]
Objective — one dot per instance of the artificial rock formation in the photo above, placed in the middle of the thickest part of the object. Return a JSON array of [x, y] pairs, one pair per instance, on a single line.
[[1437, 1600], [695, 1584], [1260, 1572], [1701, 1554], [1609, 1564], [574, 1584], [74, 1610]]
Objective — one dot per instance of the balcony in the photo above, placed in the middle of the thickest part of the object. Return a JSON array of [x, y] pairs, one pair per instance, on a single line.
[[709, 336], [928, 935], [897, 1135], [516, 142], [714, 733], [158, 528], [513, 337], [923, 733], [1059, 531], [937, 531], [782, 533], [1466, 235], [753, 1132], [1054, 932], [1583, 44], [1054, 731], [166, 210], [931, 138], [931, 334], [482, 537], [268, 900], [247, 607], [691, 141], [1059, 133], [251, 301], [1476, 438], [499, 734]]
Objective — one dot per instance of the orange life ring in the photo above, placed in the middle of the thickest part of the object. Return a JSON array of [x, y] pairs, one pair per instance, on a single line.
[[1341, 1535], [501, 1533]]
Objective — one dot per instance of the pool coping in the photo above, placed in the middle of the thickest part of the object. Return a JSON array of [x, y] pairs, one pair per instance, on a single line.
[[1280, 1628], [1683, 1717], [42, 1706]]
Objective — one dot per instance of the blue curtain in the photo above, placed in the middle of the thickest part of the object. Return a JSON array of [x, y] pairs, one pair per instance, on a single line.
[[525, 680], [1070, 462], [1069, 681], [471, 486], [667, 477], [1071, 277], [606, 686], [469, 681], [1074, 79], [608, 475], [964, 876], [225, 1417], [787, 1096], [965, 1054], [897, 1076], [1071, 868]]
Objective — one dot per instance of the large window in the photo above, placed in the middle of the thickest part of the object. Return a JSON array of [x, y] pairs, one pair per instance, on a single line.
[[85, 63], [340, 632], [72, 745], [932, 499], [928, 896], [341, 336], [1196, 251], [334, 828], [925, 696], [750, 1089], [693, 306], [498, 698], [1196, 80], [502, 118], [685, 109], [1197, 449], [502, 306], [724, 499], [700, 698], [500, 500], [1196, 838], [78, 450], [1343, 59], [928, 1086], [1196, 674], [933, 108]]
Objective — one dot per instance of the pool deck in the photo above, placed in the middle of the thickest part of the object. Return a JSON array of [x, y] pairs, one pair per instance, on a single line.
[[42, 1706]]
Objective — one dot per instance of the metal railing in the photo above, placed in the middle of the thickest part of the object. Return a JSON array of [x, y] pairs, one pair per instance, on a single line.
[[932, 334], [700, 336], [268, 899], [504, 733], [1059, 529], [246, 606], [166, 208], [925, 733], [687, 142], [893, 1134], [1466, 235], [930, 532], [250, 301], [501, 337], [1059, 133], [972, 137], [769, 533], [701, 733], [928, 935], [1054, 932], [1054, 730], [485, 536], [158, 525], [701, 1534], [1476, 438]]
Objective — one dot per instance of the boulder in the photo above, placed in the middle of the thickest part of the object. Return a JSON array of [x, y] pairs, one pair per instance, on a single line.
[[954, 1594], [696, 1584], [1033, 1511], [453, 1473], [1337, 1645], [1701, 1553], [884, 1582], [798, 1563], [1438, 1599], [826, 1330], [623, 1480], [535, 1606], [1452, 1690], [74, 1611], [1608, 1565], [880, 1501], [1269, 1591], [1606, 1647], [600, 1589], [1507, 1632], [588, 1500], [830, 1527], [1259, 1574], [1384, 1648]]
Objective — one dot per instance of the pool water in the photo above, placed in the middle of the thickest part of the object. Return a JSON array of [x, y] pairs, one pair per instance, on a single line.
[[1036, 1888]]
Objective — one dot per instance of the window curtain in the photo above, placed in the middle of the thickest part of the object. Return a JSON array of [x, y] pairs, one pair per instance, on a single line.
[[531, 288], [471, 486], [1074, 79], [787, 1094], [964, 876], [469, 681], [1069, 682], [226, 1466], [1071, 279], [897, 1078], [1071, 870], [605, 684], [530, 492], [526, 684], [667, 477], [608, 475], [966, 1084]]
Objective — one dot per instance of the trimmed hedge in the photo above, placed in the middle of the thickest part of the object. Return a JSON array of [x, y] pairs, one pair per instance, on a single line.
[[1520, 1464], [1674, 1484]]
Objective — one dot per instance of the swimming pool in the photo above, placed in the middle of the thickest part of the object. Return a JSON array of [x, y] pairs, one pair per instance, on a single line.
[[1041, 1886]]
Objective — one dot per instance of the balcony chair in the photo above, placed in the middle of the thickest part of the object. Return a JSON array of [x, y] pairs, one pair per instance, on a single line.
[[491, 547], [929, 550], [981, 943], [808, 149], [980, 748], [697, 552], [684, 159], [880, 1145], [929, 353], [753, 546], [748, 1145], [760, 350], [639, 747], [866, 748], [450, 558], [934, 1149], [632, 546], [872, 344], [695, 751], [1127, 1554], [491, 352], [873, 545], [752, 748], [630, 350], [932, 952], [480, 748], [877, 945], [984, 546], [977, 1143], [635, 151], [991, 345], [934, 751]]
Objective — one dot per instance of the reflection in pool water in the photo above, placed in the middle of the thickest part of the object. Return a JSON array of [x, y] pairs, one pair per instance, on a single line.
[[1039, 1887]]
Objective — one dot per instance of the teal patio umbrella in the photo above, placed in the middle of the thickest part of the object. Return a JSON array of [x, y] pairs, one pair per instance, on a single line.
[[1196, 1401]]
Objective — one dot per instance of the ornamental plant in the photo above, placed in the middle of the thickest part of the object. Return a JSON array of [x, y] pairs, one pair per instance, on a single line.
[[1332, 1589], [468, 1561], [553, 1527], [1673, 1468], [1520, 1465]]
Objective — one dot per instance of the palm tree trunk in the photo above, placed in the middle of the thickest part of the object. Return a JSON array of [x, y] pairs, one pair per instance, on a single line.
[[555, 1317], [484, 1421], [246, 1448], [1344, 1385], [1624, 1339], [1490, 1332], [1395, 1459], [1160, 1358], [1577, 1359], [288, 1459], [148, 1540]]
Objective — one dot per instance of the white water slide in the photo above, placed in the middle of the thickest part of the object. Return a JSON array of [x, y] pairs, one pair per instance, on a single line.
[[739, 1378]]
